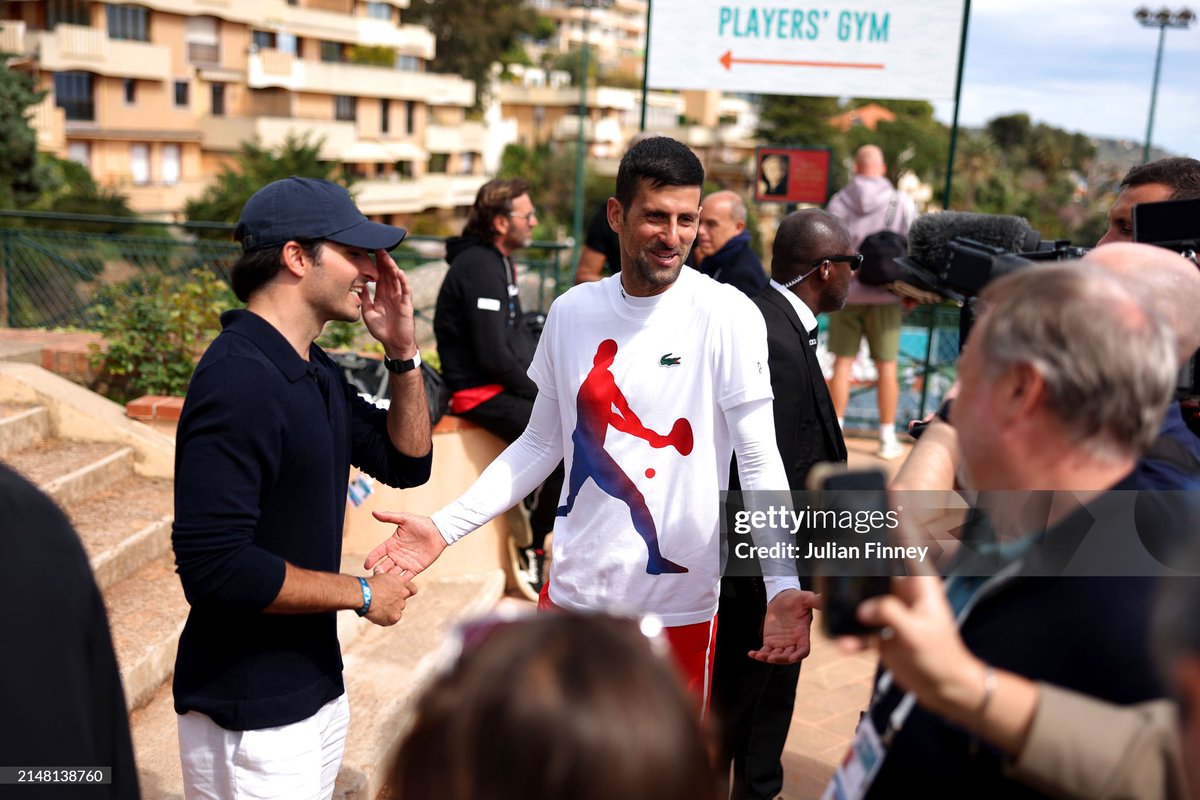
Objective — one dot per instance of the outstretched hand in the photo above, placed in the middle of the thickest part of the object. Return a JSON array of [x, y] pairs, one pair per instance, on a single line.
[[414, 546], [786, 627], [389, 315]]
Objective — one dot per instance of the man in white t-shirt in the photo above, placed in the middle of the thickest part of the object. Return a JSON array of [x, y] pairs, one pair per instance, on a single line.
[[653, 348]]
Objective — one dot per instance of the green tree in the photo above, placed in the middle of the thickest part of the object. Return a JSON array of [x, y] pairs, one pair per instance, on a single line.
[[255, 167], [472, 35], [18, 156], [67, 187], [551, 175]]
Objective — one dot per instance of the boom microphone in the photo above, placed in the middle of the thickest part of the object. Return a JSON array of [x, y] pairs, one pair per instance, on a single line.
[[930, 236]]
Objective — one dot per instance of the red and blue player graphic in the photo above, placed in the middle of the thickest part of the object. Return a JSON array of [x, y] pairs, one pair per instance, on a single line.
[[596, 400]]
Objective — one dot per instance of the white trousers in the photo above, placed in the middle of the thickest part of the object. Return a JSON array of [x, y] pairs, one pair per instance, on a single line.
[[297, 762]]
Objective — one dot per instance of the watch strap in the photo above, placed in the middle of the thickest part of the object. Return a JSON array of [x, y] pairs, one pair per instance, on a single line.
[[399, 366]]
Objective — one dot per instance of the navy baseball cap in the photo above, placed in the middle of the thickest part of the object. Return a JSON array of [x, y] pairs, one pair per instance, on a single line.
[[309, 208]]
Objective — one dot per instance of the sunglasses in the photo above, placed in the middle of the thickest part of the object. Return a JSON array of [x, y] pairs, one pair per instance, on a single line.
[[855, 261]]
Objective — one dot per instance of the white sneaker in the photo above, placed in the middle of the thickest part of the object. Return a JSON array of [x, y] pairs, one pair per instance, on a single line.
[[889, 450]]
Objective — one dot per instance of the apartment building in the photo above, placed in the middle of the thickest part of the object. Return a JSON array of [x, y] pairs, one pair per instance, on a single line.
[[616, 29], [156, 96], [719, 128]]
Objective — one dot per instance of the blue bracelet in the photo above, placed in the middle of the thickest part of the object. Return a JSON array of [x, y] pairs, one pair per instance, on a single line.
[[366, 591]]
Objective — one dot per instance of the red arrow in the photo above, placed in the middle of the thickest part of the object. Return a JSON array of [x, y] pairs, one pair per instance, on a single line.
[[728, 61]]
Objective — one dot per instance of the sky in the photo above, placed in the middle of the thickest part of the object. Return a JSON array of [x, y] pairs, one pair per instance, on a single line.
[[1082, 65]]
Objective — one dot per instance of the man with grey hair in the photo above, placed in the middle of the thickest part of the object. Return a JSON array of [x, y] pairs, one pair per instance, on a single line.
[[723, 243], [1064, 379]]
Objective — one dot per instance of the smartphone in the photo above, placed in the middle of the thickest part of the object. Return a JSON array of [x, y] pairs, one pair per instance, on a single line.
[[845, 572]]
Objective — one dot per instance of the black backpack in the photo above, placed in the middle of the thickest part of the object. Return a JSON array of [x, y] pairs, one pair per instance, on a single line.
[[880, 249]]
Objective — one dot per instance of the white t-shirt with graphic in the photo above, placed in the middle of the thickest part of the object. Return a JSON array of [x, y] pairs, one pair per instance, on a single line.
[[690, 354]]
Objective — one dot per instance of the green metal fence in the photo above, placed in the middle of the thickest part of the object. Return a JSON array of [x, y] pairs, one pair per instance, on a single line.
[[51, 265]]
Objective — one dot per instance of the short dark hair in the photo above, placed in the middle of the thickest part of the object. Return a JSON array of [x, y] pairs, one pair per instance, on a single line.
[[495, 198], [1180, 174], [557, 706], [257, 268], [802, 238], [660, 160]]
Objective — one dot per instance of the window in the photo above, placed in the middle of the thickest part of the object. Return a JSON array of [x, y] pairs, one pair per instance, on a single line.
[[345, 108], [438, 163], [203, 40], [170, 164], [73, 94], [262, 40], [385, 113], [80, 152], [379, 11], [410, 117], [468, 164], [181, 94], [128, 22], [380, 170], [218, 100], [409, 64], [139, 163], [331, 52], [286, 43], [130, 91], [404, 169], [71, 12]]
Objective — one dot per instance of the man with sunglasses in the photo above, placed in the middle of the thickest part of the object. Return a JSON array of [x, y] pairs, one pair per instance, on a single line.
[[811, 266], [486, 344]]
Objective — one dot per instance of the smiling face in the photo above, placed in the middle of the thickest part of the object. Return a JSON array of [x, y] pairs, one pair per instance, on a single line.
[[336, 281], [656, 232]]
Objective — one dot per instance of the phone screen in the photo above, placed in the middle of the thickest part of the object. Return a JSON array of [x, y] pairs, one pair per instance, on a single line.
[[846, 574]]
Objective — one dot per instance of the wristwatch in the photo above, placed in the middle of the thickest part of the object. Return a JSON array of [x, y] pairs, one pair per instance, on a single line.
[[400, 367]]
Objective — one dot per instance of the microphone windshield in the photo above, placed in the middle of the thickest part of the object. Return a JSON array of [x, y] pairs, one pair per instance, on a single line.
[[930, 235]]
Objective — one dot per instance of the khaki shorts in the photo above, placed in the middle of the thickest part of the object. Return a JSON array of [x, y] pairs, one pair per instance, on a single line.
[[879, 323]]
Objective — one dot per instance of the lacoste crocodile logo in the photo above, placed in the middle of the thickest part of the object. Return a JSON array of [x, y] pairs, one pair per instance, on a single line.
[[669, 360]]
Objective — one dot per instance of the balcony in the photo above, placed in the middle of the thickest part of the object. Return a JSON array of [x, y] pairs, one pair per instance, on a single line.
[[161, 199], [49, 122], [12, 36], [74, 47], [469, 137], [410, 197], [228, 133], [604, 97], [412, 40], [267, 69]]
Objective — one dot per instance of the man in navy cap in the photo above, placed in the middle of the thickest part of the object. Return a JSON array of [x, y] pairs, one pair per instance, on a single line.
[[263, 452]]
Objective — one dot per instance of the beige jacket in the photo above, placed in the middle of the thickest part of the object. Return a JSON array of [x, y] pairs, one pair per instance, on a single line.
[[1081, 747]]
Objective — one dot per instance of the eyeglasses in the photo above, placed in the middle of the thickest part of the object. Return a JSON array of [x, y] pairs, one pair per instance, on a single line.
[[530, 217], [855, 261]]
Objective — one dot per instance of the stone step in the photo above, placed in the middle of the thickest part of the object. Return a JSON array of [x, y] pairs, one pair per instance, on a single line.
[[385, 670], [71, 471], [125, 526], [146, 612], [22, 427]]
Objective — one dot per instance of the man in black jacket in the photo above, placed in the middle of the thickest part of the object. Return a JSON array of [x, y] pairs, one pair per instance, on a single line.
[[483, 339], [810, 274], [723, 243]]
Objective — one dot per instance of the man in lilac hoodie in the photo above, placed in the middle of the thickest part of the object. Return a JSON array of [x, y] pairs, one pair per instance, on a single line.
[[869, 204]]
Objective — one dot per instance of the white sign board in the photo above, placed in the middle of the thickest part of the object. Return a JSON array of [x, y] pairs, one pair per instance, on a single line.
[[832, 48]]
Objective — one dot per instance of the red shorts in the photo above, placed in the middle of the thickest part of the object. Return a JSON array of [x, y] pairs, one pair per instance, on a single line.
[[693, 648]]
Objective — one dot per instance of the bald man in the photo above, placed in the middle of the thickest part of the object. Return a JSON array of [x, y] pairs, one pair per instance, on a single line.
[[870, 204], [1158, 278], [723, 243], [1170, 284]]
